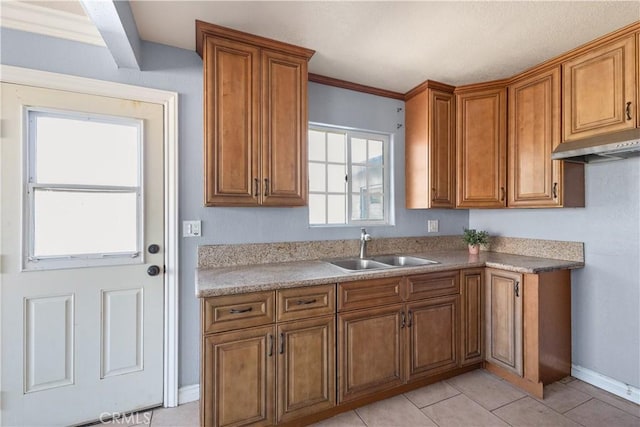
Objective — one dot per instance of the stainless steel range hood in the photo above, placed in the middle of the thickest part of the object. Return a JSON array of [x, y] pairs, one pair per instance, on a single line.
[[616, 146]]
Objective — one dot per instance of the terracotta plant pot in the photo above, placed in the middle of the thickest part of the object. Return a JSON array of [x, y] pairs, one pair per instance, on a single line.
[[474, 249]]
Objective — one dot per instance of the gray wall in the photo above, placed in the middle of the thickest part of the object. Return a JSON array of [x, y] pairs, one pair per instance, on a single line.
[[179, 70], [606, 293]]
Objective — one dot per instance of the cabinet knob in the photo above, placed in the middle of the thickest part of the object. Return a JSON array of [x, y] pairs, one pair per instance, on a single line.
[[154, 270]]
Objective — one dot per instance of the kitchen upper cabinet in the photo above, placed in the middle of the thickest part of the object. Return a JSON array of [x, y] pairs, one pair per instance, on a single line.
[[504, 320], [430, 146], [534, 132], [472, 316], [600, 93], [255, 119], [481, 147]]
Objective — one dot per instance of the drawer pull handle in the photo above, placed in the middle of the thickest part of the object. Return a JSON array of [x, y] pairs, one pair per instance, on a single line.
[[555, 190], [256, 186], [305, 302], [281, 342], [270, 345], [240, 310], [410, 319], [628, 111], [516, 287], [266, 187], [402, 320]]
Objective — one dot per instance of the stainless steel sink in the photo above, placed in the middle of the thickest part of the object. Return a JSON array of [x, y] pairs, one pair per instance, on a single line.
[[384, 261], [356, 264], [403, 261]]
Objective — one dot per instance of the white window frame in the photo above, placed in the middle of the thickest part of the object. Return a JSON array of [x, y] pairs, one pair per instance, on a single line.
[[30, 262], [387, 171]]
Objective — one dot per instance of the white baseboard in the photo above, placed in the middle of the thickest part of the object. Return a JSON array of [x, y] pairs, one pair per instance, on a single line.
[[616, 387], [189, 393]]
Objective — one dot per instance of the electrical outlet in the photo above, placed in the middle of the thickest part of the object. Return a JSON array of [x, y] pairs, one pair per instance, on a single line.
[[432, 226], [191, 228]]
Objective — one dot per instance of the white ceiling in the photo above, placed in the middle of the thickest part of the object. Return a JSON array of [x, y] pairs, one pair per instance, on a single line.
[[396, 45]]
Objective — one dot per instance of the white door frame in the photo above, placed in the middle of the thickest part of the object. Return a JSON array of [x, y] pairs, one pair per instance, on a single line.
[[169, 100]]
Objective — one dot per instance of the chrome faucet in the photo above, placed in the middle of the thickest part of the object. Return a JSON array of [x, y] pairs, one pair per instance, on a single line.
[[364, 238]]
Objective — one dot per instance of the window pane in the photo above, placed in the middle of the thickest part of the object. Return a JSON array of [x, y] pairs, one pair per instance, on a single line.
[[336, 181], [376, 204], [358, 178], [375, 177], [336, 209], [317, 177], [375, 151], [337, 147], [358, 150], [68, 223], [316, 146], [357, 212], [88, 152], [317, 203]]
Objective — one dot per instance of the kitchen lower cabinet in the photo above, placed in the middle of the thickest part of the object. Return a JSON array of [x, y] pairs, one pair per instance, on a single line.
[[274, 373], [504, 320], [238, 377], [305, 367], [472, 316], [432, 327], [528, 327], [370, 351], [396, 331]]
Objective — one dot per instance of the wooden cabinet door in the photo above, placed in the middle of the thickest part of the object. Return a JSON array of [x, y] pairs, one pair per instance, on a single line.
[[306, 367], [433, 343], [231, 122], [370, 351], [239, 378], [430, 149], [472, 309], [600, 90], [504, 295], [284, 135], [534, 132], [481, 148]]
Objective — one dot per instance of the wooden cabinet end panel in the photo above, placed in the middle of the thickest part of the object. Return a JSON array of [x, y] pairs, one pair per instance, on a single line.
[[230, 312], [305, 302], [369, 293]]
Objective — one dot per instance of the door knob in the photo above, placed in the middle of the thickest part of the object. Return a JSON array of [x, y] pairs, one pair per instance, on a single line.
[[153, 249], [154, 270]]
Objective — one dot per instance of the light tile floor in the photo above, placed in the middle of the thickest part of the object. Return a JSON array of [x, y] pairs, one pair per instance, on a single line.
[[476, 398]]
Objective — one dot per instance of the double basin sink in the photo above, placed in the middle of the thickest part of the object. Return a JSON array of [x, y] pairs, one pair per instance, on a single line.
[[382, 261]]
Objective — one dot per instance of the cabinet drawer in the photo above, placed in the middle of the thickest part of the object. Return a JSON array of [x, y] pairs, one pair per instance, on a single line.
[[369, 293], [298, 303], [238, 311], [433, 285]]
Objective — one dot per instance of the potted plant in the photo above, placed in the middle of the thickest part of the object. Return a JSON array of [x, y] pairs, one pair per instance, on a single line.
[[474, 239]]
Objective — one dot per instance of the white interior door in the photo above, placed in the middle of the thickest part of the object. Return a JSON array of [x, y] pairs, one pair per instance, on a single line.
[[82, 203]]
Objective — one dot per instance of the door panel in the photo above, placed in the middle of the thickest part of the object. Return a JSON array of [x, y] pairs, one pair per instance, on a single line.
[[90, 335], [370, 351], [472, 314], [504, 320]]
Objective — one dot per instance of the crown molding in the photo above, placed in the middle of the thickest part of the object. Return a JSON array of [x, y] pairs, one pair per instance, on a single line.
[[49, 22]]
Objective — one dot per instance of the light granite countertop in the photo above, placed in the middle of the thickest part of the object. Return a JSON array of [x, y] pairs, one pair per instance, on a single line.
[[241, 279]]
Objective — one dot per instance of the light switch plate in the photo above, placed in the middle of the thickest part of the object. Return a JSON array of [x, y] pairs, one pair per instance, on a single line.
[[432, 226], [191, 228]]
